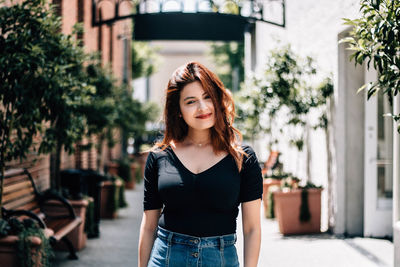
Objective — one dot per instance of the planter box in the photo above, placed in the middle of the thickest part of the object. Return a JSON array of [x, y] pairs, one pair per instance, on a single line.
[[267, 183], [8, 250], [77, 236], [112, 168], [287, 211], [131, 184], [107, 206]]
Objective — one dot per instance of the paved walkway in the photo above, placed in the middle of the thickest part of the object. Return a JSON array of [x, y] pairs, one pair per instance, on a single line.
[[117, 245]]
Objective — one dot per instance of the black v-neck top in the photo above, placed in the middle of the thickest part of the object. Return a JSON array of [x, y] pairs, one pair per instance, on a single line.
[[203, 204]]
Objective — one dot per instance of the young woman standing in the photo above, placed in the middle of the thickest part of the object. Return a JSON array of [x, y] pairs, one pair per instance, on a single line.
[[196, 178]]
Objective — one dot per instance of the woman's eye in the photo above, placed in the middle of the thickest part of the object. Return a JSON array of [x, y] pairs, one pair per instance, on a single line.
[[207, 97], [190, 102]]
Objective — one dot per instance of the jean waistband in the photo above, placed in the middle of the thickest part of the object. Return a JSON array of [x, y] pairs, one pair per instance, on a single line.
[[209, 241]]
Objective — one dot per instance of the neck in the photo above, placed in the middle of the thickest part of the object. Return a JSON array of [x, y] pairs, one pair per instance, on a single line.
[[199, 138]]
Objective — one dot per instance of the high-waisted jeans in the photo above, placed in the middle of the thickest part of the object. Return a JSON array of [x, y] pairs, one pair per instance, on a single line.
[[172, 249]]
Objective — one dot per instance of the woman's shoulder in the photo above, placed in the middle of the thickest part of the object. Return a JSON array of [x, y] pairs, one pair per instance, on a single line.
[[158, 152], [248, 150]]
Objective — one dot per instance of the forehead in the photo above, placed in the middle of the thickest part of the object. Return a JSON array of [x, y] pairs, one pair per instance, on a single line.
[[192, 89]]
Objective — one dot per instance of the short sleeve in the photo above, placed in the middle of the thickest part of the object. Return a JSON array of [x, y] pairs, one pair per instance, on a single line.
[[251, 185], [151, 199]]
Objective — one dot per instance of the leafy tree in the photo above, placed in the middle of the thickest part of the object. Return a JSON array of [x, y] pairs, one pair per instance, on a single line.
[[66, 94], [281, 98], [375, 38], [38, 64], [229, 58], [132, 115], [282, 87], [144, 59], [101, 111]]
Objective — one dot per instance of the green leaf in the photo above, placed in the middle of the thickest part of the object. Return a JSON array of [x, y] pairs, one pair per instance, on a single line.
[[361, 88]]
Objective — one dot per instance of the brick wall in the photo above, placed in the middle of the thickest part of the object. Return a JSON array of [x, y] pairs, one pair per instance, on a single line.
[[108, 39]]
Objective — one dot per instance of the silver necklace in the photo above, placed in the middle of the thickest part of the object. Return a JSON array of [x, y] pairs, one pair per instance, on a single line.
[[198, 144]]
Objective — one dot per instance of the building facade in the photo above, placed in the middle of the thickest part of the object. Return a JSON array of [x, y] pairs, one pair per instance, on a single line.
[[365, 143], [112, 42]]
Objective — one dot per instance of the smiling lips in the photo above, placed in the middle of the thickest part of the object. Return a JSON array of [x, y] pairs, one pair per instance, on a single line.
[[204, 116]]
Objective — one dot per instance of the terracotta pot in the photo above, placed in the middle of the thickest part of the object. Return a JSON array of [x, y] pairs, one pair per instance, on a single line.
[[287, 211], [112, 168], [131, 184], [107, 209], [8, 250], [77, 236], [266, 185]]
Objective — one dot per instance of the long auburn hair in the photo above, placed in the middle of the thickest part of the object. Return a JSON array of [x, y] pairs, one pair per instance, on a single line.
[[224, 137]]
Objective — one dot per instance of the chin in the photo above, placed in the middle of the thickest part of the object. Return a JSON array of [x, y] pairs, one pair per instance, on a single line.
[[204, 126]]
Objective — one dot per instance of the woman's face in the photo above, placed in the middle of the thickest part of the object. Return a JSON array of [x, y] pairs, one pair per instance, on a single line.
[[196, 107]]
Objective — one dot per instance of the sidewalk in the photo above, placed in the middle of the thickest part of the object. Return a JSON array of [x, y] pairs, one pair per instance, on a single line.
[[117, 245]]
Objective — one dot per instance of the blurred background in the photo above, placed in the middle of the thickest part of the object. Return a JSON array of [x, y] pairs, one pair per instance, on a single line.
[[315, 85]]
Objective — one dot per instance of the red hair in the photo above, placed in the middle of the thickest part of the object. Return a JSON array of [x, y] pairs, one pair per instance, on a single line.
[[224, 137]]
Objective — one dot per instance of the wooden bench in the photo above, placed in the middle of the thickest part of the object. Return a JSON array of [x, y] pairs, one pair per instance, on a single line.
[[22, 199], [272, 162]]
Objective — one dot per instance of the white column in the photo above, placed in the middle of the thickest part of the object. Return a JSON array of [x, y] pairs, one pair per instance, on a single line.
[[396, 185], [396, 165], [249, 49]]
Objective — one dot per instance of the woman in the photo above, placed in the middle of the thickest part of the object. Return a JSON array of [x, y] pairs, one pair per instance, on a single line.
[[197, 177]]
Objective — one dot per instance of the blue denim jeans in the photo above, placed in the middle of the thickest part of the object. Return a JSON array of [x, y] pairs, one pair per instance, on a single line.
[[172, 249]]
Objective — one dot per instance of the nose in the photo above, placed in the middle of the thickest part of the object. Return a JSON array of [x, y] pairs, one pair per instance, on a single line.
[[202, 105]]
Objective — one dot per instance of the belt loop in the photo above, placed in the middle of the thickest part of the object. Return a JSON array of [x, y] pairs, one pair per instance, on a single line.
[[170, 235], [221, 243]]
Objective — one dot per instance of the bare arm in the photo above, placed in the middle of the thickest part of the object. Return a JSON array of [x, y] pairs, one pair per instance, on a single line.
[[251, 232], [147, 235]]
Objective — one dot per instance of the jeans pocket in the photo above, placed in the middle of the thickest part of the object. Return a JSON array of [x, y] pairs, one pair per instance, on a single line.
[[159, 254]]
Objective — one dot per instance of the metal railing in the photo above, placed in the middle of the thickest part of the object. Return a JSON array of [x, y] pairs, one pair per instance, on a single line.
[[252, 10]]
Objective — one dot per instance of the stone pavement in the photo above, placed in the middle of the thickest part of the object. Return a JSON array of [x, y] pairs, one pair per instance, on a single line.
[[117, 245]]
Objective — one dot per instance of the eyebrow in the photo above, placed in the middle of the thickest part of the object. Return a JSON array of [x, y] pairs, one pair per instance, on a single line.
[[190, 97]]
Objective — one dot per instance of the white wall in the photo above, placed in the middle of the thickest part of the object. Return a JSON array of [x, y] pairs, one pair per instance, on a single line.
[[396, 241]]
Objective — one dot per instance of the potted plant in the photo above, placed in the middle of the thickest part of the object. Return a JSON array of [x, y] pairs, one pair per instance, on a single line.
[[273, 180], [298, 209], [272, 183], [24, 244], [268, 201], [112, 167], [125, 168], [112, 197], [278, 103]]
